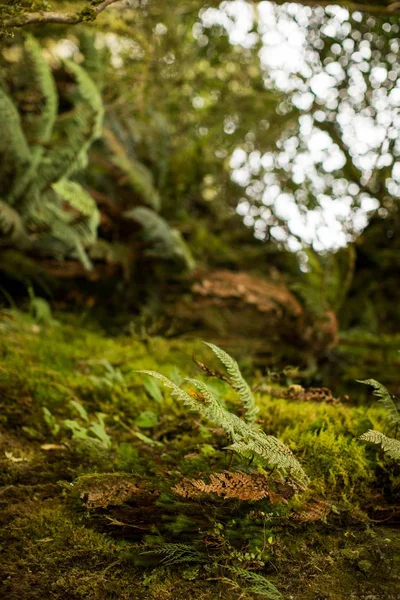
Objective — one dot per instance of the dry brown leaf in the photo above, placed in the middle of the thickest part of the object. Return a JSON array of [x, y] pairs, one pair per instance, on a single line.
[[108, 490], [314, 511], [250, 487]]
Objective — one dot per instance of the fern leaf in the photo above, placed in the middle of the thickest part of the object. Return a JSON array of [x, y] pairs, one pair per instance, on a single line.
[[238, 382], [44, 80], [138, 176], [325, 285], [267, 450], [12, 229], [65, 233], [164, 242], [82, 202], [176, 392], [95, 59], [90, 95], [249, 442], [75, 132], [15, 155], [389, 445], [39, 127], [386, 399], [213, 409], [258, 584], [177, 553], [250, 487]]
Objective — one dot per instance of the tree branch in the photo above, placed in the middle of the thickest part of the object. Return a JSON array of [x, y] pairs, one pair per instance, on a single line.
[[378, 8], [86, 14]]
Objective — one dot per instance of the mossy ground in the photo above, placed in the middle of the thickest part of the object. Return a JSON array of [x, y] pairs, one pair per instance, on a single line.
[[64, 535]]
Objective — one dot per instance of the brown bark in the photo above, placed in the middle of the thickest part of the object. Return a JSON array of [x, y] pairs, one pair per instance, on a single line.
[[57, 17]]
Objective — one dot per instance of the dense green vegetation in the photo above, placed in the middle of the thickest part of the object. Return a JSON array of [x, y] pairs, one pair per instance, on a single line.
[[179, 173], [100, 474]]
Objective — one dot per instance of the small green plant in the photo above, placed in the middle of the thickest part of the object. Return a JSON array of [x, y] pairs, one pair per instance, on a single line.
[[93, 429], [51, 421], [390, 445], [40, 309], [111, 377], [247, 439]]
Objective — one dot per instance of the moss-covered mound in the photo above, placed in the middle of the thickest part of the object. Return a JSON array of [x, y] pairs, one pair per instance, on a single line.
[[112, 489]]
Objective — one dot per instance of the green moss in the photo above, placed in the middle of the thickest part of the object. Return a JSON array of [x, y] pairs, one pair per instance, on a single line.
[[56, 545]]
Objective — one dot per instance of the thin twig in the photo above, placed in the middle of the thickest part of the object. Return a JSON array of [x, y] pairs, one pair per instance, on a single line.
[[209, 371]]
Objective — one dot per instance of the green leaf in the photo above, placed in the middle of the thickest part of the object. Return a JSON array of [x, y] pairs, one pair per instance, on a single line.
[[175, 376], [50, 421], [153, 388], [384, 398], [146, 439], [78, 432], [99, 430], [146, 420], [80, 409]]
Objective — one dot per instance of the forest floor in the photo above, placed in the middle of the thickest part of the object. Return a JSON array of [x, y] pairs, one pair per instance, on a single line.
[[91, 453]]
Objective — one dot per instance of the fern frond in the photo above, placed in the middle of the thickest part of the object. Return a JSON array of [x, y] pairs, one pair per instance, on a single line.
[[238, 382], [42, 76], [40, 127], [386, 399], [95, 59], [82, 202], [258, 584], [62, 236], [234, 485], [140, 179], [267, 450], [389, 445], [313, 511], [249, 442], [12, 229], [89, 95], [213, 410], [75, 132], [177, 553], [325, 285], [176, 391], [138, 176], [163, 241], [15, 155]]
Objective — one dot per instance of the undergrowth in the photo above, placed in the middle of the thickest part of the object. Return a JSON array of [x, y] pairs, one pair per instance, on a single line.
[[114, 488]]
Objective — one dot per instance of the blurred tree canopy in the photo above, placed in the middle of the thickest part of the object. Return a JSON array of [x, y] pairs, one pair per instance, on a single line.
[[24, 13], [213, 113]]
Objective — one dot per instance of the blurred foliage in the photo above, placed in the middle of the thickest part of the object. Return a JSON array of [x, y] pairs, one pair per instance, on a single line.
[[182, 94], [166, 140], [95, 465], [339, 163]]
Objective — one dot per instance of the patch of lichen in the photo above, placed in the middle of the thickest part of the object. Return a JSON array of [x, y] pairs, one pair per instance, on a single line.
[[78, 512]]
